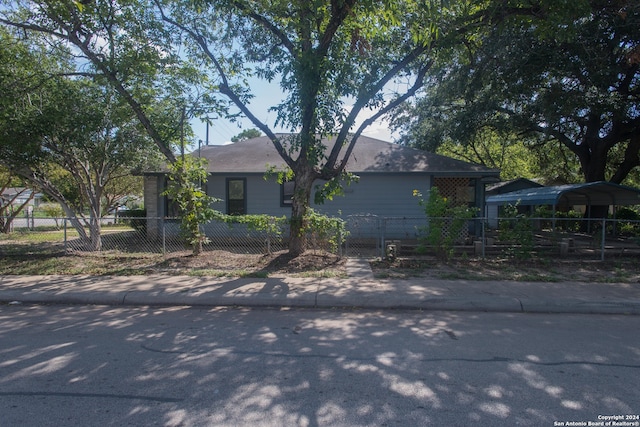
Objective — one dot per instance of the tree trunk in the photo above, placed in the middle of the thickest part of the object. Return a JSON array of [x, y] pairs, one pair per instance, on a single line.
[[300, 205], [197, 247], [8, 217], [95, 238], [95, 214], [593, 155]]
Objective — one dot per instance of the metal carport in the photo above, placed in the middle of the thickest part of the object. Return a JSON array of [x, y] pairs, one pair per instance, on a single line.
[[599, 193]]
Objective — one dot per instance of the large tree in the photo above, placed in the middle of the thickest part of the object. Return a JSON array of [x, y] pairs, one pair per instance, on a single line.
[[122, 43], [333, 59], [567, 80], [72, 138]]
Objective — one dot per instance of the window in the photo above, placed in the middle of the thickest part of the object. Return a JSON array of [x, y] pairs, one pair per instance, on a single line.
[[286, 193], [236, 196]]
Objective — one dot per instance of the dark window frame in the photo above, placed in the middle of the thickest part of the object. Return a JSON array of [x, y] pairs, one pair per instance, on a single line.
[[286, 197], [233, 206]]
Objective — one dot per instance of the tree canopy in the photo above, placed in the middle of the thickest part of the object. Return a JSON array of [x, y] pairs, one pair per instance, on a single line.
[[70, 137], [246, 134], [566, 80], [123, 44]]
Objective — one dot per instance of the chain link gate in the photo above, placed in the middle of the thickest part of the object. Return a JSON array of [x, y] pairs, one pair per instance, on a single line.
[[365, 236]]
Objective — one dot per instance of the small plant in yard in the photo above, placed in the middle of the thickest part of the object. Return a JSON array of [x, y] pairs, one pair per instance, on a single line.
[[324, 230], [446, 222], [52, 210], [517, 229], [185, 187]]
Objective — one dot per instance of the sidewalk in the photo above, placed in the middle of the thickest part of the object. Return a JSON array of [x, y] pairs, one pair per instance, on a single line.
[[360, 290]]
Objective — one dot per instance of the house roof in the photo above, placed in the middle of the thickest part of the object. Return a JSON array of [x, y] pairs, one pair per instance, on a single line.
[[369, 155], [512, 185], [14, 191], [591, 193]]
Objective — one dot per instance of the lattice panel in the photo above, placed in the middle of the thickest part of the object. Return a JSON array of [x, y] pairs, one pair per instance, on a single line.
[[457, 190], [454, 189]]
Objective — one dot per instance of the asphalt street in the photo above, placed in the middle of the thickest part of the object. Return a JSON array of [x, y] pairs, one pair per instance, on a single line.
[[82, 365]]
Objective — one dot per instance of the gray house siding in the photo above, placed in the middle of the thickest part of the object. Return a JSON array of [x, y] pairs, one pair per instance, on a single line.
[[262, 196], [372, 196], [364, 197]]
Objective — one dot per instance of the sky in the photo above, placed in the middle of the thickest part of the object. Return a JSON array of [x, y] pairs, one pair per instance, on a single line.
[[266, 95]]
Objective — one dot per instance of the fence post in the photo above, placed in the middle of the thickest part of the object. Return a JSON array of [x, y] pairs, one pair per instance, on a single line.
[[65, 233], [604, 232], [382, 226], [484, 240], [164, 238]]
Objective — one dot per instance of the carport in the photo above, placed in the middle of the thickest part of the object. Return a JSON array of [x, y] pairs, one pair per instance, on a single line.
[[589, 194], [599, 193]]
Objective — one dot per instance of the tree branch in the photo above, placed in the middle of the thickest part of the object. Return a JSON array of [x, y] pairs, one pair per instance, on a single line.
[[389, 107], [268, 25], [367, 95], [339, 12], [224, 87]]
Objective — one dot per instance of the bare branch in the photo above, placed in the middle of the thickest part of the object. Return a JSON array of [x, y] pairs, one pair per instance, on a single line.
[[389, 107], [263, 21], [365, 96]]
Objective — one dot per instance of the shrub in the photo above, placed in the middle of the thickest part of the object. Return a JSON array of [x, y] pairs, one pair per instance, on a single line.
[[446, 222], [517, 229], [323, 229]]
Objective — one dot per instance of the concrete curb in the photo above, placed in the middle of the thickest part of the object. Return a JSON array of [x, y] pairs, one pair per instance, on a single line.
[[310, 300], [508, 297]]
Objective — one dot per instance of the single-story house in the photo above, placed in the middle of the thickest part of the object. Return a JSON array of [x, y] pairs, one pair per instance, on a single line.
[[389, 173]]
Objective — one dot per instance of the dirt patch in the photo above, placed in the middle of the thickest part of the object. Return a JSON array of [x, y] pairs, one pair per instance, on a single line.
[[218, 263], [311, 263], [541, 270]]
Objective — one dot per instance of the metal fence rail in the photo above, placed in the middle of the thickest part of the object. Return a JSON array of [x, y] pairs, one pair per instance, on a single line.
[[366, 236]]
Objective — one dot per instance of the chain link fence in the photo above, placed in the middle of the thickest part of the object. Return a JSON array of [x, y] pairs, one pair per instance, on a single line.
[[372, 236], [156, 235], [366, 236]]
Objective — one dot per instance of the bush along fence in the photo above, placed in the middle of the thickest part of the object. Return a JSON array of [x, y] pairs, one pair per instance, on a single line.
[[355, 236], [252, 234]]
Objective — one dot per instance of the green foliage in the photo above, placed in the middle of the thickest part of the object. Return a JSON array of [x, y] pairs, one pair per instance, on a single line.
[[324, 230], [495, 150], [563, 78], [446, 222], [629, 222], [282, 176], [246, 134], [334, 187], [52, 210], [186, 177], [516, 229], [272, 225]]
